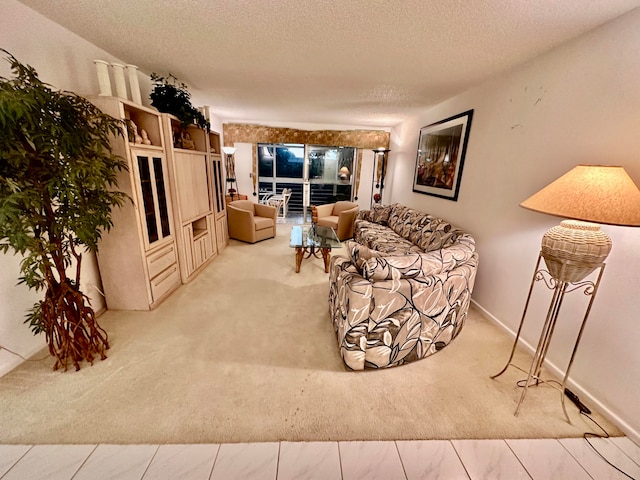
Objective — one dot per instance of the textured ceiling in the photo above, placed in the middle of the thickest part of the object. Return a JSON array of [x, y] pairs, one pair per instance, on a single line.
[[349, 62]]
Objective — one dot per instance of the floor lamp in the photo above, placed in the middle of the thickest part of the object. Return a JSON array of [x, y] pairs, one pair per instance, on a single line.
[[381, 154], [231, 170], [588, 195]]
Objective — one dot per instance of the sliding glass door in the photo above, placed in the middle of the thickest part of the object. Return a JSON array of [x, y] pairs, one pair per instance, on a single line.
[[279, 167], [330, 173], [328, 170]]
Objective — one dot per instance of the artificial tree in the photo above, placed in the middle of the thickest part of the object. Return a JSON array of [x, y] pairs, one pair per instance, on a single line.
[[57, 189]]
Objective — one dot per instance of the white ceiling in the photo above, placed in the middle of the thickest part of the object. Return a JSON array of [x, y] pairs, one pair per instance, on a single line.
[[347, 62]]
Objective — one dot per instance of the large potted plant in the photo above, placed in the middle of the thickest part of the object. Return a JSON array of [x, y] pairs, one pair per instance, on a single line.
[[169, 96], [57, 189]]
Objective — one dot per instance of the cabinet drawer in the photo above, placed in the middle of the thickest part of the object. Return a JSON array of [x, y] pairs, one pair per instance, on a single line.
[[160, 260], [165, 282]]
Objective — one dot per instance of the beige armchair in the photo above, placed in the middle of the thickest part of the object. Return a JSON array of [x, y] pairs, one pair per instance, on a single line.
[[251, 222], [340, 216]]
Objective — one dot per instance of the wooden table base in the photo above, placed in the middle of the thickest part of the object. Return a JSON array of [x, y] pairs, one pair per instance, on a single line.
[[302, 252]]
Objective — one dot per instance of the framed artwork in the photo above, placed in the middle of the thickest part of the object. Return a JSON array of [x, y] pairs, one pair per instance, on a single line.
[[440, 158]]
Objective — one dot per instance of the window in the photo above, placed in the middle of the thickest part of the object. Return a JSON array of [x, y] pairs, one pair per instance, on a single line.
[[330, 171]]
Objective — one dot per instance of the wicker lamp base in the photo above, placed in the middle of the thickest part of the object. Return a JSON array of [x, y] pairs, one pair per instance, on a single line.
[[574, 249]]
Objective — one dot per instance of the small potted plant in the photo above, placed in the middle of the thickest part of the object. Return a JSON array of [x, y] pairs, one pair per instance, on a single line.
[[169, 96]]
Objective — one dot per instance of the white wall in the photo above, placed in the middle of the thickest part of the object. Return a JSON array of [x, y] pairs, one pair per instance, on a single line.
[[577, 104], [65, 61]]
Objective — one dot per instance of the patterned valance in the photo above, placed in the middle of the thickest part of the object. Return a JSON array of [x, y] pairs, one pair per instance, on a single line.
[[246, 133]]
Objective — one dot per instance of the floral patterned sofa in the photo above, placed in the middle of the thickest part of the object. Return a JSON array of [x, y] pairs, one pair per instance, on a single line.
[[403, 291]]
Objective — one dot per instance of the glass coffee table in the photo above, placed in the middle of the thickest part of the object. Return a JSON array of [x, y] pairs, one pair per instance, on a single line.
[[313, 240]]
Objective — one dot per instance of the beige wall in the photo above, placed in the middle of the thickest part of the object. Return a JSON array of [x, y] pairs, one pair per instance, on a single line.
[[577, 104]]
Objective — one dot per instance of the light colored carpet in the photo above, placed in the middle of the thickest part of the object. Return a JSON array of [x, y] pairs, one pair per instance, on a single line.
[[246, 353]]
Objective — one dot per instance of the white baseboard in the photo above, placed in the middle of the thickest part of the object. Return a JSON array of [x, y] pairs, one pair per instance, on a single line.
[[13, 360], [8, 365], [632, 433]]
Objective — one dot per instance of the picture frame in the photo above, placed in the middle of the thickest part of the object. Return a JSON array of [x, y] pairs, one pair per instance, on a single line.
[[442, 147]]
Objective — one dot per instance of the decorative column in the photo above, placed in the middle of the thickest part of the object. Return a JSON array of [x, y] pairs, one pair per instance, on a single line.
[[118, 77], [102, 69], [134, 85]]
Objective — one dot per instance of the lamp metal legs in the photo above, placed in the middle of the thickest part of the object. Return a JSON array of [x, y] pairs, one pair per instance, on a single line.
[[560, 288]]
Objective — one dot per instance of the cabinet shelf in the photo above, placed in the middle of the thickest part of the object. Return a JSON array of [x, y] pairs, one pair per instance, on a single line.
[[199, 233], [214, 143], [144, 119], [192, 135], [188, 150], [187, 221], [149, 148]]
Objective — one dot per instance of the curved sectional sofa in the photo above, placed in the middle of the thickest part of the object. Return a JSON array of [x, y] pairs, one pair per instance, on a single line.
[[404, 289]]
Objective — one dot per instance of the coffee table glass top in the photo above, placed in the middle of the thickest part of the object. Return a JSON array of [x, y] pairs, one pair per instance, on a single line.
[[305, 236]]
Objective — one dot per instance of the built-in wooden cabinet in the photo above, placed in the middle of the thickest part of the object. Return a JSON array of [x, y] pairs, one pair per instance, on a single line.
[[138, 258], [175, 222]]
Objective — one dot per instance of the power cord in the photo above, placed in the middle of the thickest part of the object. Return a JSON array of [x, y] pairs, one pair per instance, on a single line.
[[584, 411], [96, 288], [23, 358], [2, 347]]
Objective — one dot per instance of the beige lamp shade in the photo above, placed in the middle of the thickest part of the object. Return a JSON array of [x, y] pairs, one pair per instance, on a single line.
[[592, 193], [588, 195]]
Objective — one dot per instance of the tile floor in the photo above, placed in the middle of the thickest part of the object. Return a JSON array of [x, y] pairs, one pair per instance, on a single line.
[[436, 459]]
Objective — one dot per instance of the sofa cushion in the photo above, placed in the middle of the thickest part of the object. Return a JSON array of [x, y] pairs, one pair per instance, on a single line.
[[395, 215], [414, 265], [330, 221], [359, 254], [380, 213], [382, 239], [406, 221], [426, 232], [263, 223], [392, 267], [443, 235]]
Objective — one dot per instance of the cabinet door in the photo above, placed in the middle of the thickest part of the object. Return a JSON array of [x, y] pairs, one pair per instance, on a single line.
[[150, 169], [222, 232], [218, 185], [192, 184]]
